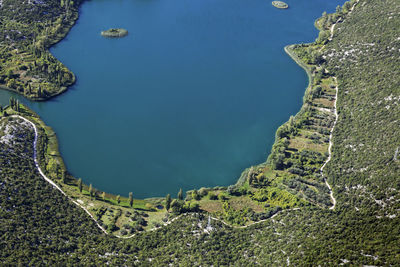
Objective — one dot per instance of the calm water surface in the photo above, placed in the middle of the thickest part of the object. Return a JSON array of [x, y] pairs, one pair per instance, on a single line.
[[191, 97]]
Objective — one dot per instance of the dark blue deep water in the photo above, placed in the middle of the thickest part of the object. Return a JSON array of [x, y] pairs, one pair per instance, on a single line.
[[191, 97]]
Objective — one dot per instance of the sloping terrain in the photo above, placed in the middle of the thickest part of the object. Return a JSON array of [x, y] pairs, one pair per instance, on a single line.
[[39, 225], [365, 56]]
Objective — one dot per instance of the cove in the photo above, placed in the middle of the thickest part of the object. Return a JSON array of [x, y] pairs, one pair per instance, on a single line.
[[190, 98]]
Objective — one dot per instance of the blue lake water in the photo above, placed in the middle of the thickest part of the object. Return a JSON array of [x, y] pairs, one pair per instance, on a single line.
[[191, 97]]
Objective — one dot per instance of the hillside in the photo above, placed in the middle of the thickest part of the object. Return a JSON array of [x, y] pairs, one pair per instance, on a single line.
[[358, 54]]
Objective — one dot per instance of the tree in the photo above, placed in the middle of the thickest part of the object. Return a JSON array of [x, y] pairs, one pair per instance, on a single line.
[[11, 83], [11, 102], [316, 91], [195, 195], [316, 58], [346, 7], [323, 37], [251, 179], [56, 171], [176, 206], [323, 20], [167, 202], [10, 74], [180, 194], [212, 195], [231, 189], [291, 121], [276, 159], [16, 105], [338, 9], [80, 185], [91, 190], [39, 92], [130, 199], [64, 177], [118, 199]]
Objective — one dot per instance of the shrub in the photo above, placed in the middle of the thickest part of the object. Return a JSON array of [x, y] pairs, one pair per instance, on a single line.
[[295, 170], [123, 232], [222, 197], [195, 195], [203, 191], [212, 196]]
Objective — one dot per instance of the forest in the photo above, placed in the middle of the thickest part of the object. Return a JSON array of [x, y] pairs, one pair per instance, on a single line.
[[357, 52]]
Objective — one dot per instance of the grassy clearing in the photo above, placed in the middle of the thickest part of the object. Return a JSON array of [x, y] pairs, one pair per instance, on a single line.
[[323, 102], [243, 202], [300, 143], [211, 206]]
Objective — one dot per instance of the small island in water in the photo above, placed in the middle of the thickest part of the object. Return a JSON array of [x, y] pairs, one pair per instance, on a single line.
[[280, 4], [115, 32]]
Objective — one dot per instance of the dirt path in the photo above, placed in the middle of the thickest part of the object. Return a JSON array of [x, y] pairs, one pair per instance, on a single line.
[[330, 147], [49, 180], [251, 224], [332, 28], [62, 192]]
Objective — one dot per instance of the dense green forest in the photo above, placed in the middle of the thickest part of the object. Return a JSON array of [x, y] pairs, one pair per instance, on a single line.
[[39, 225]]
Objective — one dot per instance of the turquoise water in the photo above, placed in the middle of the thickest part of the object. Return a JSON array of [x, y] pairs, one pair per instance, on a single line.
[[191, 97]]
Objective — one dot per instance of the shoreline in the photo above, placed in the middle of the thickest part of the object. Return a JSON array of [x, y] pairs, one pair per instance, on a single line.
[[289, 51], [245, 172], [70, 186], [37, 99], [49, 42]]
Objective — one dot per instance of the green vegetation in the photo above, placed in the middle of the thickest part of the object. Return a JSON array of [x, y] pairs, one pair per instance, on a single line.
[[280, 4], [112, 212], [114, 33], [307, 155], [40, 225], [29, 29]]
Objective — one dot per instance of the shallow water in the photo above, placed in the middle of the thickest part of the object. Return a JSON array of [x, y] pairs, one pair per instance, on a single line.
[[191, 97]]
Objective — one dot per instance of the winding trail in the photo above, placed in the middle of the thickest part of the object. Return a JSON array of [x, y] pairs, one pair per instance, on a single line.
[[333, 199], [257, 222], [48, 179], [215, 219], [330, 148], [332, 28]]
